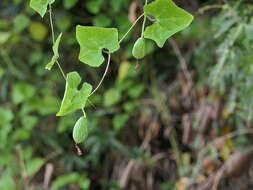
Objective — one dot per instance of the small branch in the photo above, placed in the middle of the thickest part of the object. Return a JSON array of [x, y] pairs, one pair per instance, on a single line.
[[181, 60], [237, 133], [48, 175], [218, 177], [103, 77], [202, 10], [133, 25]]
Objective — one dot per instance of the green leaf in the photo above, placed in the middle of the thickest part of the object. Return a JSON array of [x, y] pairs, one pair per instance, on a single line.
[[123, 71], [40, 6], [64, 180], [170, 19], [22, 91], [92, 40], [51, 63], [139, 48], [56, 53], [102, 20], [4, 37], [136, 90], [94, 6], [80, 131], [111, 97], [7, 182], [73, 98], [68, 4], [38, 31], [33, 166], [56, 45], [120, 120], [6, 116]]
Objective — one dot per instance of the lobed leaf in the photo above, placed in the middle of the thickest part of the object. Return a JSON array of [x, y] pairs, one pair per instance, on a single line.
[[93, 40], [40, 6], [73, 98], [56, 53], [170, 19]]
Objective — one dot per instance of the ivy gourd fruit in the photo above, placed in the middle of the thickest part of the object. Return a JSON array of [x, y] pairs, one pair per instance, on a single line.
[[80, 131], [139, 48], [169, 19]]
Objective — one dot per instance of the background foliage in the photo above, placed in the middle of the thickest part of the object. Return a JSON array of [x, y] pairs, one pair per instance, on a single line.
[[159, 130]]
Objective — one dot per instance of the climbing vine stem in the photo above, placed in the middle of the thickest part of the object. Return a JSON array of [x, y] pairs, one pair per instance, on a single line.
[[53, 38], [93, 40], [133, 25], [144, 21], [103, 77]]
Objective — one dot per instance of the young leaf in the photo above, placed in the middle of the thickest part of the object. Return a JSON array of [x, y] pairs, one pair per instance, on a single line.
[[139, 48], [56, 53], [170, 19], [92, 40], [73, 98], [51, 63], [80, 131], [40, 6]]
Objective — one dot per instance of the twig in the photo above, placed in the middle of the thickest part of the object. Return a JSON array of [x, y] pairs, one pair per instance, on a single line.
[[218, 177], [21, 165], [126, 172], [237, 133], [49, 157], [202, 10], [182, 61], [48, 175], [183, 65]]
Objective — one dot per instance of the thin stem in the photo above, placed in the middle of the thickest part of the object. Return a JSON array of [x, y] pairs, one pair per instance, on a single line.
[[135, 22], [144, 21], [51, 22], [84, 114], [62, 72], [106, 69], [53, 38]]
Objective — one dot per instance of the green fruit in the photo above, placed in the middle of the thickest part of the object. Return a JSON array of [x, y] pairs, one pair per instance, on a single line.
[[80, 131], [139, 48]]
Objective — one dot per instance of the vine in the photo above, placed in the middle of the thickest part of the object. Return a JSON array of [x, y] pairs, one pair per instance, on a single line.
[[169, 19]]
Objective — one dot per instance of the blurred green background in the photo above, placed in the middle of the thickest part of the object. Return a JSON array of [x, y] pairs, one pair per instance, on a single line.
[[150, 118]]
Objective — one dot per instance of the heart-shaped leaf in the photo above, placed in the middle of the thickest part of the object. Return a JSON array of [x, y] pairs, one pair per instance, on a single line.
[[93, 40], [40, 6], [73, 98], [170, 19], [80, 131], [56, 53]]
